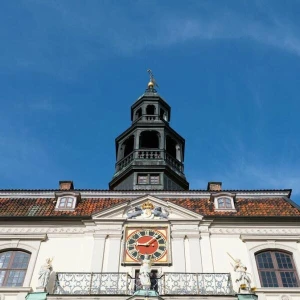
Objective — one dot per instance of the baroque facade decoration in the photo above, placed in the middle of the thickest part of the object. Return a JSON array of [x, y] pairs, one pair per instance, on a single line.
[[149, 236]]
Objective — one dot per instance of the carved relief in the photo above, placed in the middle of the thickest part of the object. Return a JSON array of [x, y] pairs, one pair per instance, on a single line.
[[147, 211]]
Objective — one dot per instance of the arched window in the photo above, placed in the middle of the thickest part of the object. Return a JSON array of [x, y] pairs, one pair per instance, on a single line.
[[138, 113], [171, 146], [163, 115], [13, 267], [276, 269], [129, 145]]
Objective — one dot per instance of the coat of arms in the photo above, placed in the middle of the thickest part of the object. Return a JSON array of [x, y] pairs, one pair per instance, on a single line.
[[147, 211]]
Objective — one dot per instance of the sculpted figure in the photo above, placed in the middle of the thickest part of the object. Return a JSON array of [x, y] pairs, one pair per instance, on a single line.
[[145, 272], [160, 212], [244, 276], [134, 212], [44, 273]]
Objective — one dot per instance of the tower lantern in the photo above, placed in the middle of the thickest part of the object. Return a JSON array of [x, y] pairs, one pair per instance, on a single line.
[[150, 154]]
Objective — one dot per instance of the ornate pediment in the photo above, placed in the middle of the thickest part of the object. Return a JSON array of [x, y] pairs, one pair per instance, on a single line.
[[147, 211], [148, 208]]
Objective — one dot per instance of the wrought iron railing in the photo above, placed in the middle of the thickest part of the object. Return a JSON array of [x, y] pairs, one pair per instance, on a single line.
[[124, 284], [197, 284]]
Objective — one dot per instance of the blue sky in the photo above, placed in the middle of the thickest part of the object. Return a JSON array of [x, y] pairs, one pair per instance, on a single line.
[[70, 70]]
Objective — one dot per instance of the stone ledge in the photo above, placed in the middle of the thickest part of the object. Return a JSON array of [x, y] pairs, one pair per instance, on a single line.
[[278, 290], [15, 289]]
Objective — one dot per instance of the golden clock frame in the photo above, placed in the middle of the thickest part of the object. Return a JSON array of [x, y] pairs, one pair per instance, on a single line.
[[129, 228]]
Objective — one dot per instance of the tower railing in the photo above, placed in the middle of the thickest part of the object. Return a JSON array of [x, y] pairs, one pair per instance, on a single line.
[[150, 154], [149, 118], [124, 162], [69, 283], [174, 163]]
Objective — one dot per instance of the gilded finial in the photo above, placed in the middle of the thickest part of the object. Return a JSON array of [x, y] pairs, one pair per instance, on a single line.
[[152, 83]]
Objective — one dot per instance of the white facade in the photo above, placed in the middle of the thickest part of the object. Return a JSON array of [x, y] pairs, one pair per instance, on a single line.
[[196, 245]]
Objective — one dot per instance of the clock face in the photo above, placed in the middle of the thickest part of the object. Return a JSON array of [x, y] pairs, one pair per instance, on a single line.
[[146, 241]]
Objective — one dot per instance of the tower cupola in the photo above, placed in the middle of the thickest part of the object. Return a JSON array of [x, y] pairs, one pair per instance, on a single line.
[[149, 153]]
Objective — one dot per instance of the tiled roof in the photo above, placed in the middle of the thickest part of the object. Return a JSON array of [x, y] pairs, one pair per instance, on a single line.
[[268, 207], [46, 207]]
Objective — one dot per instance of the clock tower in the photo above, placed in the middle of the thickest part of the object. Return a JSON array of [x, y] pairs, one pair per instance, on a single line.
[[149, 154]]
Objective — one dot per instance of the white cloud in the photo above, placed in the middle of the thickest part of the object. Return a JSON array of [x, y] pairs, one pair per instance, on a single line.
[[61, 33]]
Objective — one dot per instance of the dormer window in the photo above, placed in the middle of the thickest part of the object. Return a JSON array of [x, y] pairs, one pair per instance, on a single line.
[[66, 203], [224, 203]]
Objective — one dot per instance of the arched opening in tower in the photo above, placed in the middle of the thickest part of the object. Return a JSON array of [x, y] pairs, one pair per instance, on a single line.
[[149, 140], [138, 113], [128, 145], [171, 146], [150, 109], [162, 114]]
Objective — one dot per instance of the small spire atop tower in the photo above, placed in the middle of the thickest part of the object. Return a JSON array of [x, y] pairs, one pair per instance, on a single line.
[[152, 83]]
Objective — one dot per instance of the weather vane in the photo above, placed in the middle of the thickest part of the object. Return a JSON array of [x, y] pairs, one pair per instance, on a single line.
[[152, 79]]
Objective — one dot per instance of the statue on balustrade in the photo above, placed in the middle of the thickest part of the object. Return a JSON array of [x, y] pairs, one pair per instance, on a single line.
[[145, 272], [44, 273], [244, 277]]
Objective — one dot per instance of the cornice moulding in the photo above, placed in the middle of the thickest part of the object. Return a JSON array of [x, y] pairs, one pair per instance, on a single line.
[[257, 231], [275, 237], [135, 194], [40, 237]]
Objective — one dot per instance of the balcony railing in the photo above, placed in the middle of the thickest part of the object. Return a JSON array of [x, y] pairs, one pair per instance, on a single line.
[[124, 284], [150, 154], [146, 154]]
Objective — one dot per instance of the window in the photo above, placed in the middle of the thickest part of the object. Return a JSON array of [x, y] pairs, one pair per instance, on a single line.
[[142, 179], [148, 179], [224, 203], [66, 203], [276, 269], [154, 179], [13, 267]]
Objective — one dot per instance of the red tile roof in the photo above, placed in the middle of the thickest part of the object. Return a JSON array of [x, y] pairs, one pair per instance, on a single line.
[[46, 207], [86, 207], [244, 207]]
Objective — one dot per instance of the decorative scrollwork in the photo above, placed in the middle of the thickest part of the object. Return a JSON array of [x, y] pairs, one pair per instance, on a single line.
[[124, 284]]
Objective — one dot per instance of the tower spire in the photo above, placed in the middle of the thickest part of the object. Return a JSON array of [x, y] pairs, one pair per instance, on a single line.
[[152, 82]]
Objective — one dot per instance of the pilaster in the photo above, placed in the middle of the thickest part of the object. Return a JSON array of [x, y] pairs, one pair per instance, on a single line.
[[178, 252], [195, 253], [114, 252], [206, 250], [98, 252]]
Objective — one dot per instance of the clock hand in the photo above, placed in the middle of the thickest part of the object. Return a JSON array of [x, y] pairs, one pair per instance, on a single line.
[[154, 238], [139, 244]]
